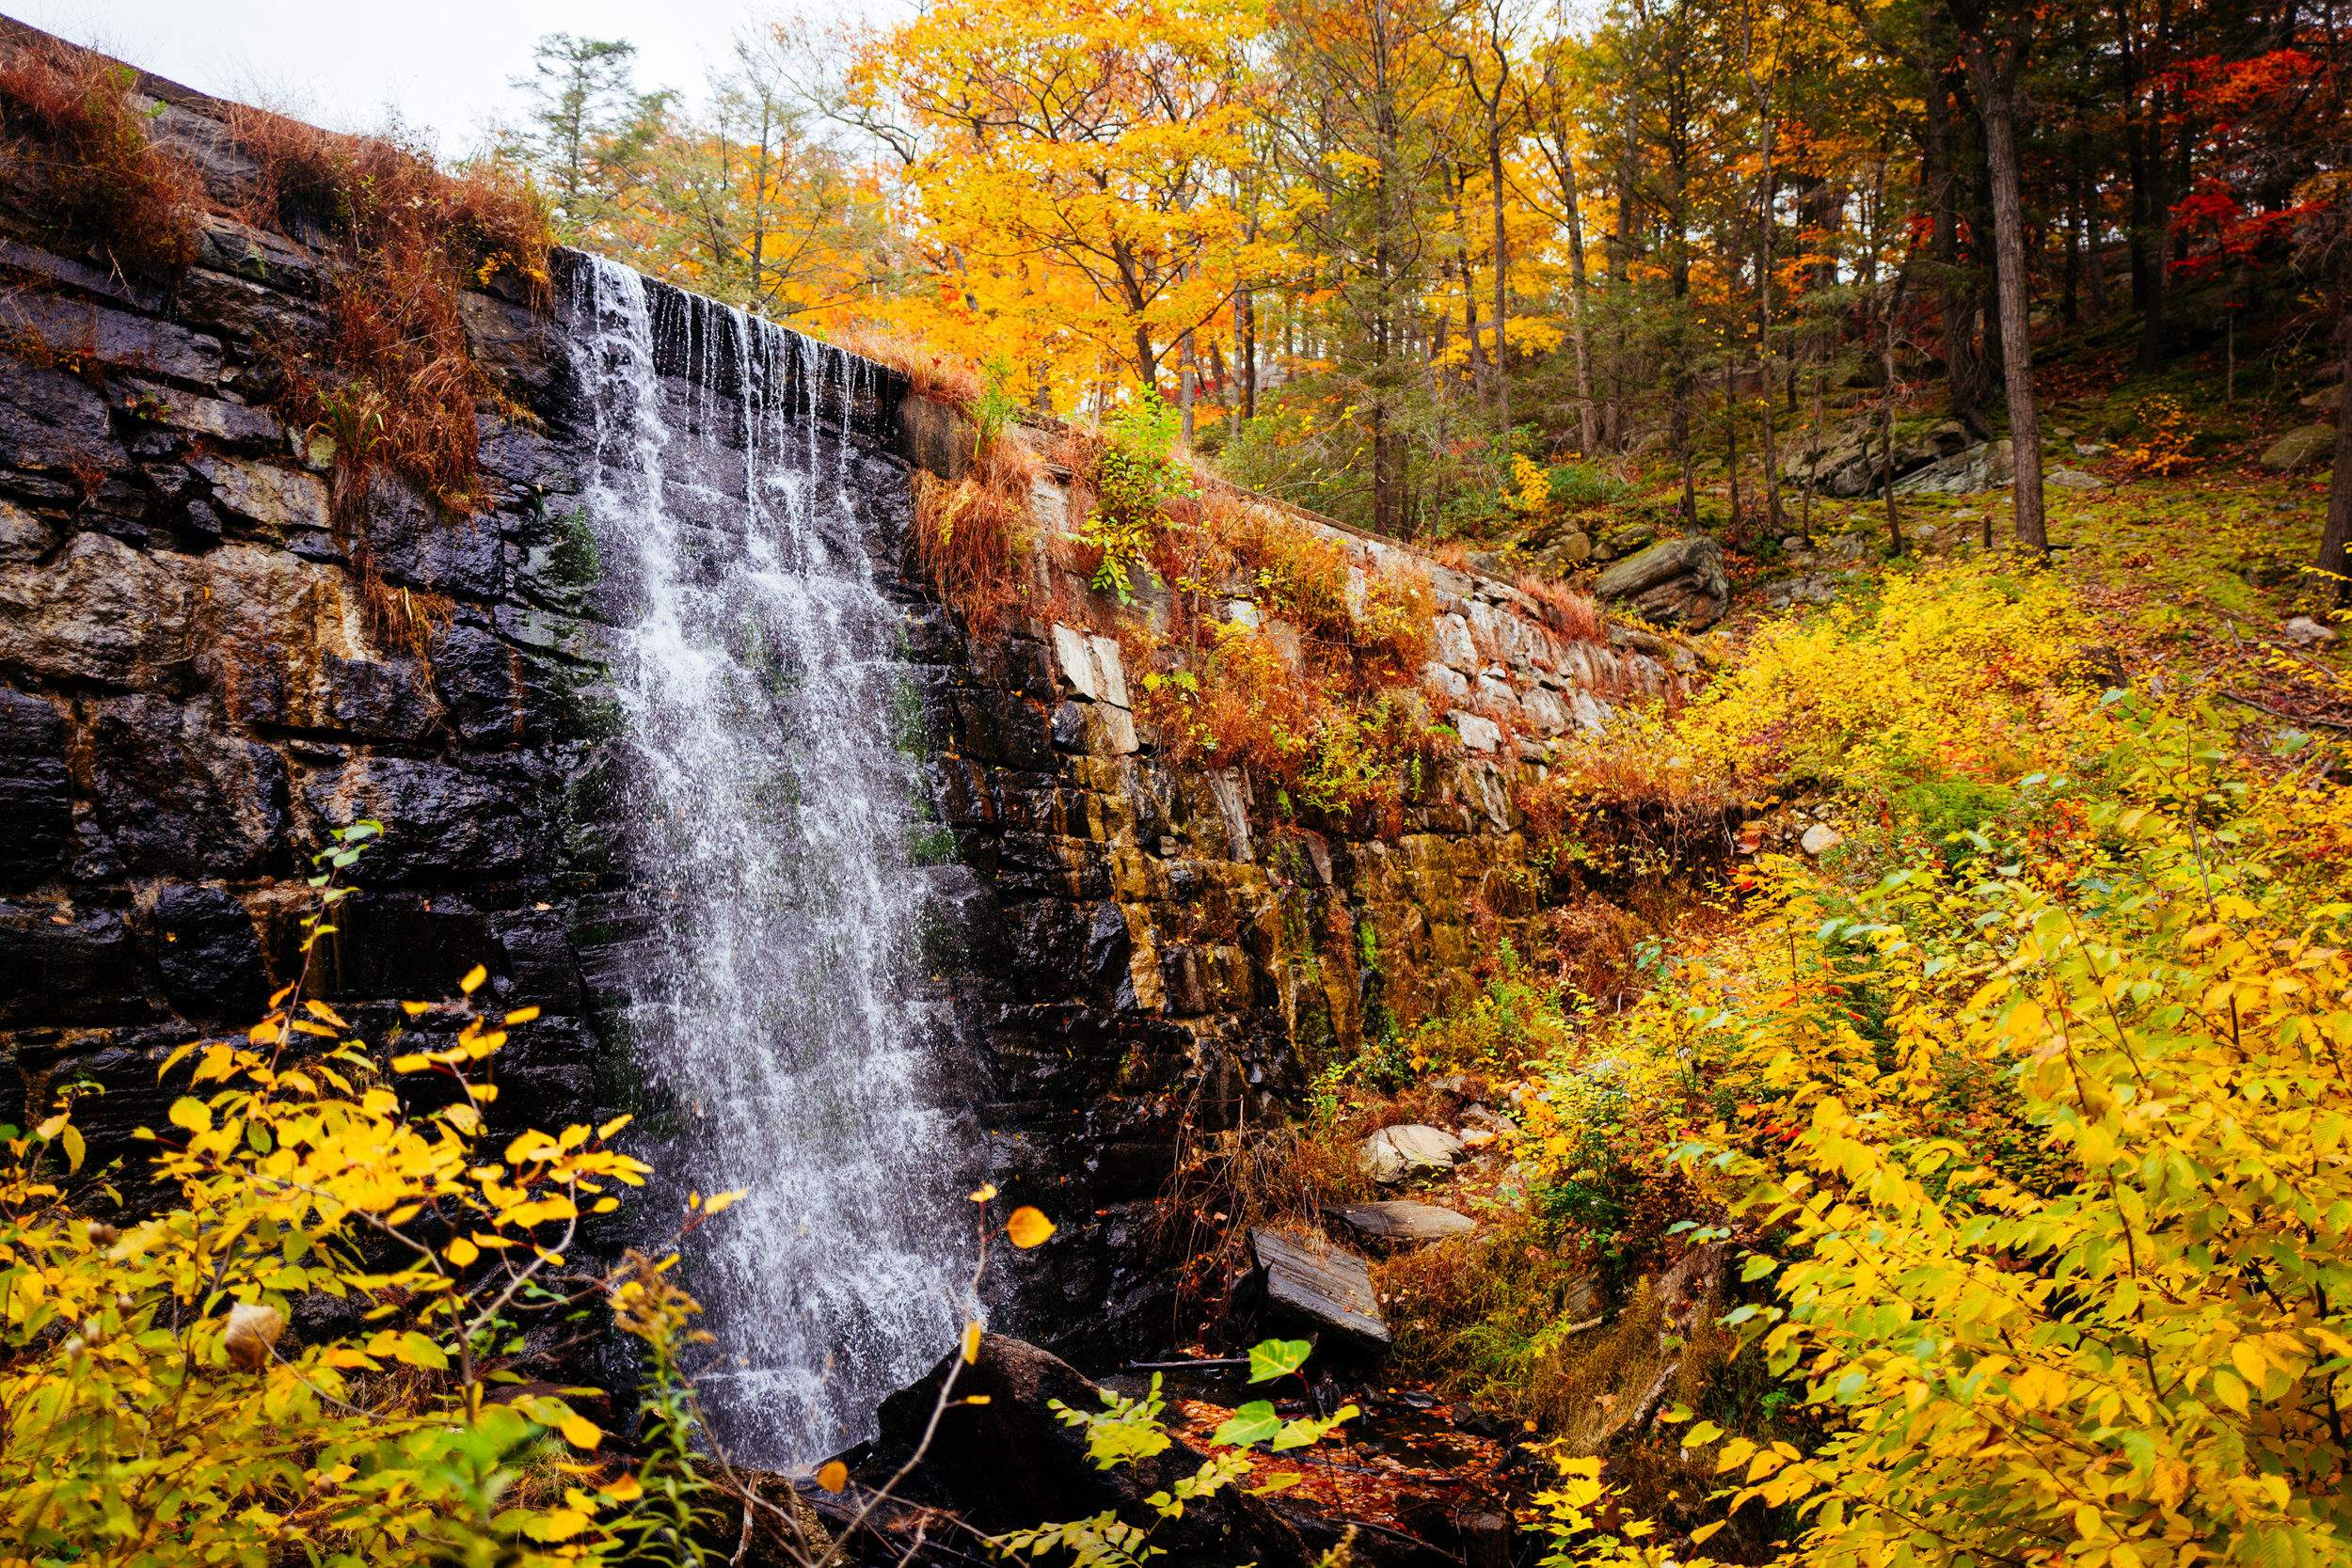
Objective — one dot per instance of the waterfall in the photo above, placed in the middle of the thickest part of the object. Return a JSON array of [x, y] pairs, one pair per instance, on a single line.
[[771, 789]]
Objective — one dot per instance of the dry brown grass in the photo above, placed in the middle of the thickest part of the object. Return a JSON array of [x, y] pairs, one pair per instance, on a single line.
[[89, 161], [931, 374], [973, 533], [1566, 613]]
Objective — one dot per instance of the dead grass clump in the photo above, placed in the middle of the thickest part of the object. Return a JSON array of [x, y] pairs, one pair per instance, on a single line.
[[90, 161], [1591, 946], [931, 374], [972, 534], [398, 384], [1568, 613]]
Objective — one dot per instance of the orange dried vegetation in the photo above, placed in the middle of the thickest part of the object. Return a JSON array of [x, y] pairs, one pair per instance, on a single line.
[[89, 160]]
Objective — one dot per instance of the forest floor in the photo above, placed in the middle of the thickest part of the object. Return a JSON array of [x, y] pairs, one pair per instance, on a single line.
[[2189, 586]]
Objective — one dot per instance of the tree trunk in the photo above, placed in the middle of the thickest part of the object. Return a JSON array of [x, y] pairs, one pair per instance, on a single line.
[[1994, 77], [1580, 302], [1962, 373], [1894, 518], [1245, 344], [1502, 284], [2335, 543]]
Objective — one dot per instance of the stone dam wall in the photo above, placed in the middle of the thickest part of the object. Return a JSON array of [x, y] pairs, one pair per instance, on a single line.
[[1120, 954]]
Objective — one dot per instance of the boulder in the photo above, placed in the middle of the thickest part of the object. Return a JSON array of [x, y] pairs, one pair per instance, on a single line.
[[1394, 1153], [1819, 839], [2300, 447], [1674, 582], [1983, 467], [1316, 1288], [1013, 1463], [2304, 632], [2074, 478], [1404, 1223]]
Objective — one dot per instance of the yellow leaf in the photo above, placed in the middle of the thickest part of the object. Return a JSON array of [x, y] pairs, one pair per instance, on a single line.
[[411, 1063], [418, 1351], [51, 1128], [833, 1477], [322, 1011], [193, 1114], [612, 1127], [2246, 1357], [472, 982], [72, 1138], [972, 1344], [2230, 1391], [462, 1252], [416, 1009], [580, 1432], [1027, 1228], [988, 1190], [561, 1524], [720, 1200], [281, 994], [174, 1059], [521, 1015], [1278, 1483], [624, 1489], [266, 1032]]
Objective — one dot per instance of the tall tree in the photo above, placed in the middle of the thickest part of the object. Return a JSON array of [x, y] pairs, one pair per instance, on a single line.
[[1996, 37], [588, 122]]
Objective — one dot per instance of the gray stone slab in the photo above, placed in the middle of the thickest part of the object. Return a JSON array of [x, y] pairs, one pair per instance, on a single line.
[[1313, 1285], [1401, 1221]]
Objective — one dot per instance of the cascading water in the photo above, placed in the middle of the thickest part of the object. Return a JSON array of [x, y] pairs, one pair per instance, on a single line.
[[768, 808]]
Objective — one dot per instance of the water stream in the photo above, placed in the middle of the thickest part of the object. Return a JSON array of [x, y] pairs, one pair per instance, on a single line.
[[769, 800]]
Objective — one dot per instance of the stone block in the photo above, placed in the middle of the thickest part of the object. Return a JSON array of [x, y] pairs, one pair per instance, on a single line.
[[180, 797], [256, 255], [36, 795], [192, 414], [246, 312], [1324, 1290], [391, 946], [415, 542], [209, 953], [1478, 735], [1399, 1221], [76, 330], [59, 968], [49, 419], [271, 497], [443, 822]]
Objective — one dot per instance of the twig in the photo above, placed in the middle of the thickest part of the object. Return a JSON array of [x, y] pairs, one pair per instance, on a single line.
[[2281, 713]]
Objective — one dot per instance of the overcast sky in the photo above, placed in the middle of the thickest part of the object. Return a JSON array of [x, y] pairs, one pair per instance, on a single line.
[[442, 64]]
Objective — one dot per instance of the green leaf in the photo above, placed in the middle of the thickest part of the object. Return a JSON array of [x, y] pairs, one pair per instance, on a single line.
[[1278, 1358], [1254, 1422]]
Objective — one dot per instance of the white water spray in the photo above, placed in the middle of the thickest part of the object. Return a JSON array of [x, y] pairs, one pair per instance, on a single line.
[[768, 805]]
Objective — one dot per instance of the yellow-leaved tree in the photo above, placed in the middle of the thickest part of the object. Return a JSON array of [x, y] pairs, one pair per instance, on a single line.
[[1075, 172]]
